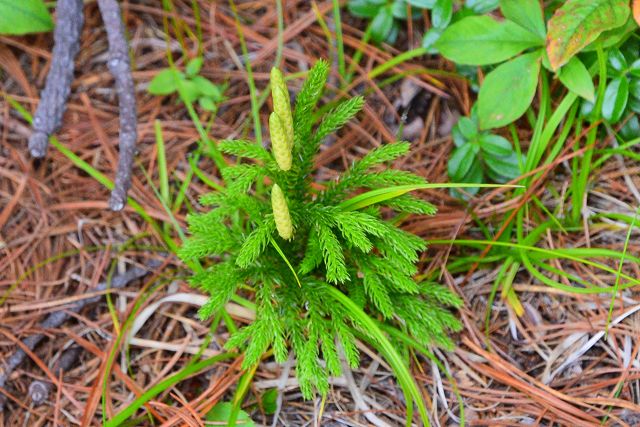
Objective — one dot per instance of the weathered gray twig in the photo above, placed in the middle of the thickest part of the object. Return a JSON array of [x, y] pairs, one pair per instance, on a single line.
[[39, 390], [120, 67], [57, 318], [53, 99]]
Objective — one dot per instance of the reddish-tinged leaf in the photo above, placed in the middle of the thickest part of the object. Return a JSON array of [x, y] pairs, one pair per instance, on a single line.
[[578, 23], [636, 11]]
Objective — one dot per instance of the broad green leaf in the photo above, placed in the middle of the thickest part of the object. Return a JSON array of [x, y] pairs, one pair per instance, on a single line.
[[458, 138], [194, 66], [393, 34], [617, 60], [382, 24], [613, 37], [207, 104], [441, 13], [634, 68], [423, 4], [615, 99], [586, 110], [474, 176], [222, 411], [24, 16], [430, 38], [481, 6], [508, 91], [495, 145], [467, 127], [165, 82], [575, 76], [208, 88], [481, 40], [270, 401], [634, 88], [503, 169], [461, 161], [365, 8], [526, 13], [399, 9], [631, 129], [578, 22], [188, 90], [634, 104]]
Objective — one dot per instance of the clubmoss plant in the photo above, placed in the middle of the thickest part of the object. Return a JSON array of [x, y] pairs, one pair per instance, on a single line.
[[290, 242]]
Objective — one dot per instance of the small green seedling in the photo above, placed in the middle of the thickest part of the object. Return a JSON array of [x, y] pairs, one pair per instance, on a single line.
[[480, 155], [386, 16], [317, 258], [190, 86], [521, 43]]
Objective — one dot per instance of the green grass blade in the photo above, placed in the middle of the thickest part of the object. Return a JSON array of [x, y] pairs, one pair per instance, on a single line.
[[402, 373], [382, 194], [397, 60], [286, 260], [573, 254], [253, 92], [402, 336], [184, 373], [616, 285], [162, 162], [337, 22]]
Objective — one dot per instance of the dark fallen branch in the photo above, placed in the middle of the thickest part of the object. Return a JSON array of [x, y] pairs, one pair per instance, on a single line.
[[120, 67], [53, 99], [39, 390], [57, 318]]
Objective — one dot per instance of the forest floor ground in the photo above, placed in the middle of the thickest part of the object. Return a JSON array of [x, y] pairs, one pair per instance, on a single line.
[[550, 365]]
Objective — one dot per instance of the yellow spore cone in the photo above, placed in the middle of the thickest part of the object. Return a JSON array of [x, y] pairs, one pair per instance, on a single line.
[[281, 213]]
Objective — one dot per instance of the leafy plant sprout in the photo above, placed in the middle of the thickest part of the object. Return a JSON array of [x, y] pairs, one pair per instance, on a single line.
[[191, 86], [386, 15], [297, 246], [480, 155]]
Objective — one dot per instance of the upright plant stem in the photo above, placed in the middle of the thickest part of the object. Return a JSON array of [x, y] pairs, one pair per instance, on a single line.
[[280, 13], [253, 93], [580, 184], [337, 22], [241, 392]]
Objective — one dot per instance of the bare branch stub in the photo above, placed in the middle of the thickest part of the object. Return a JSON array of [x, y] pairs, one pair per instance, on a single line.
[[39, 390], [57, 318], [53, 99], [120, 67]]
